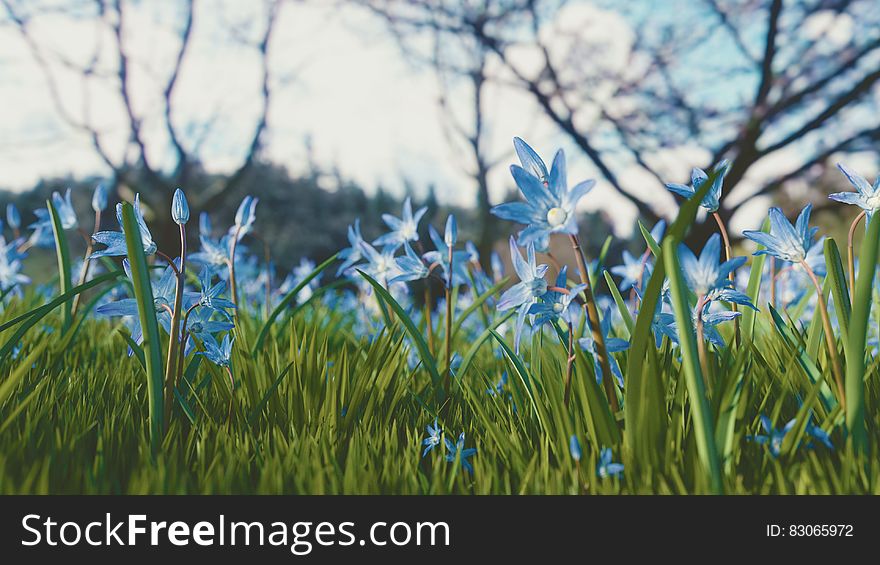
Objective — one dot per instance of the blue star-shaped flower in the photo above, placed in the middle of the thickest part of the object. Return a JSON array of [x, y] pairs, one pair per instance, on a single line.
[[550, 205], [712, 200], [866, 197], [785, 241]]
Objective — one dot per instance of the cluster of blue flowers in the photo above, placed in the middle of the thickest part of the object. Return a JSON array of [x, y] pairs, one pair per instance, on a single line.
[[202, 318]]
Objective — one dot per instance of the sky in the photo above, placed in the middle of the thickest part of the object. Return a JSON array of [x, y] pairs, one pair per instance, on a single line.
[[340, 81]]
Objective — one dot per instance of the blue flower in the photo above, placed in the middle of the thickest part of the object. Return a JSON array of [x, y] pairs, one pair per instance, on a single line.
[[352, 254], [612, 345], [549, 207], [526, 292], [164, 295], [10, 267], [205, 224], [473, 252], [497, 266], [297, 275], [411, 266], [244, 217], [713, 318], [711, 201], [219, 354], [786, 242], [179, 208], [498, 387], [773, 438], [42, 234], [705, 274], [13, 217], [64, 207], [632, 271], [819, 434], [866, 197], [555, 305], [213, 254], [574, 447], [658, 230], [605, 467], [434, 437], [403, 229], [450, 235], [530, 160], [99, 198], [815, 258], [209, 297], [457, 450], [381, 266], [441, 257], [115, 241]]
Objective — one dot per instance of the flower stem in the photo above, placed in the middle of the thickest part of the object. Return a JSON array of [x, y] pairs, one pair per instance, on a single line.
[[570, 364], [830, 342], [171, 363], [84, 272], [448, 335], [701, 342], [728, 254], [851, 255], [595, 327], [184, 336], [773, 281]]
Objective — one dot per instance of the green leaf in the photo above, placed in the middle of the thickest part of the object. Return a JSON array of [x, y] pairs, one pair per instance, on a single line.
[[143, 294], [414, 334], [858, 332], [261, 337], [62, 253], [702, 415]]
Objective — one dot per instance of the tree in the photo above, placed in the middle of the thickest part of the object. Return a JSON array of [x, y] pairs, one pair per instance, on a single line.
[[461, 70], [136, 158], [750, 80]]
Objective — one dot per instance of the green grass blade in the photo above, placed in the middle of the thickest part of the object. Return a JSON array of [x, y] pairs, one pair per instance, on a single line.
[[522, 373], [620, 302], [703, 426], [649, 239], [836, 277], [858, 331], [414, 334], [642, 336], [753, 290], [143, 293], [261, 337], [806, 362], [62, 253]]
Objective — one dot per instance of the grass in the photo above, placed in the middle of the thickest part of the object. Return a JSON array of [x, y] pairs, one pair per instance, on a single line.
[[314, 403], [320, 410]]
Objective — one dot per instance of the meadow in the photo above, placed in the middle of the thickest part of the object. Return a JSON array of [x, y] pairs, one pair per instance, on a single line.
[[673, 371]]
